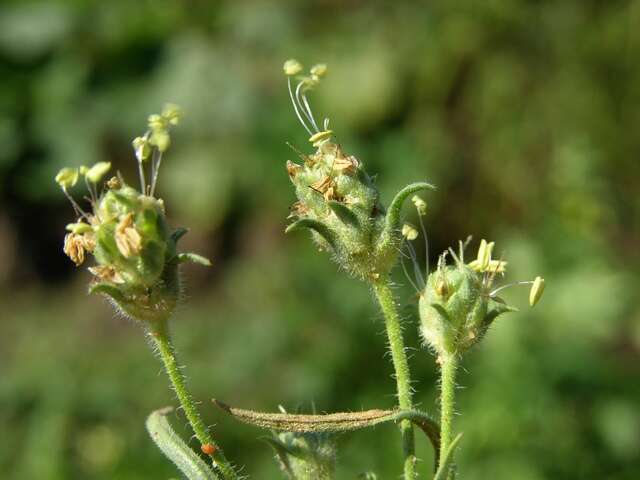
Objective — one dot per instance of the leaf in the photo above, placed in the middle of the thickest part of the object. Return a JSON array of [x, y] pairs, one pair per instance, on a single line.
[[319, 227], [178, 234], [175, 449], [443, 470], [393, 220], [343, 213], [334, 422]]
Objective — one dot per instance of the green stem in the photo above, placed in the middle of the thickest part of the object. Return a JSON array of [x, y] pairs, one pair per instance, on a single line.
[[384, 295], [448, 368], [162, 340]]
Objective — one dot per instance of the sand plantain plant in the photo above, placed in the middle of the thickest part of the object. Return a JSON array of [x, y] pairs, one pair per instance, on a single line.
[[137, 261], [137, 265]]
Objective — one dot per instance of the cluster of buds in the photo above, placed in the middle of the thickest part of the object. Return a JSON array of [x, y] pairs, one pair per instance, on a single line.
[[337, 199], [126, 231], [459, 302]]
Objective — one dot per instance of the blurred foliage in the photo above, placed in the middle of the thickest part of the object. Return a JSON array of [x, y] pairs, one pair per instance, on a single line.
[[526, 114]]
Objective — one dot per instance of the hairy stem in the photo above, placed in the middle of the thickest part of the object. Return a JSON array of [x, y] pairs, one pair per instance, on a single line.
[[384, 295], [448, 368], [162, 340]]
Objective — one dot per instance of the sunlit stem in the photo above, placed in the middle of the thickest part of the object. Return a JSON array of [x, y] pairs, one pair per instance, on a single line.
[[384, 295], [513, 284], [160, 336], [448, 368], [295, 107]]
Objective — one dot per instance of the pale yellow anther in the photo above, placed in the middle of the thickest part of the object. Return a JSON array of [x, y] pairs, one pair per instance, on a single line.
[[319, 138], [67, 177], [157, 122], [319, 70], [79, 228], [536, 291], [172, 113], [128, 240], [420, 204], [96, 172], [141, 147], [292, 67], [409, 232], [160, 139]]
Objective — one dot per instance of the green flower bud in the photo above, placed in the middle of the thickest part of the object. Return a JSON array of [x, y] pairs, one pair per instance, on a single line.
[[67, 177], [305, 456], [457, 307], [99, 170]]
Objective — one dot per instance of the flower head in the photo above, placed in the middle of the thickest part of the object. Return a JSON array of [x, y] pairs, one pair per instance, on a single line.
[[126, 231], [459, 302], [336, 198]]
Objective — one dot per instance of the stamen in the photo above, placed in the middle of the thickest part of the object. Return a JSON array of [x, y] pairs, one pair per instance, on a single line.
[[513, 284], [416, 267], [307, 107], [156, 161], [426, 246], [304, 105], [295, 107], [76, 207], [406, 273]]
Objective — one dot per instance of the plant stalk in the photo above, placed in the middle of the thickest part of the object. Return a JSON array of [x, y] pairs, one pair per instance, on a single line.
[[162, 340], [448, 369], [384, 295]]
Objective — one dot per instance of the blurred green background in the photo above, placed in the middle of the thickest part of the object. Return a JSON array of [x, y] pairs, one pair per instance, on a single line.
[[525, 114]]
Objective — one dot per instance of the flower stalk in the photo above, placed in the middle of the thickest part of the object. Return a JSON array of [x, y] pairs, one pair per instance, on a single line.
[[384, 295], [448, 370], [159, 334]]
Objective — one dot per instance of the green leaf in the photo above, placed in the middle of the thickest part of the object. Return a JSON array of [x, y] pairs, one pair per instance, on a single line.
[[174, 448], [445, 468], [334, 422], [344, 213], [393, 219], [319, 227]]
